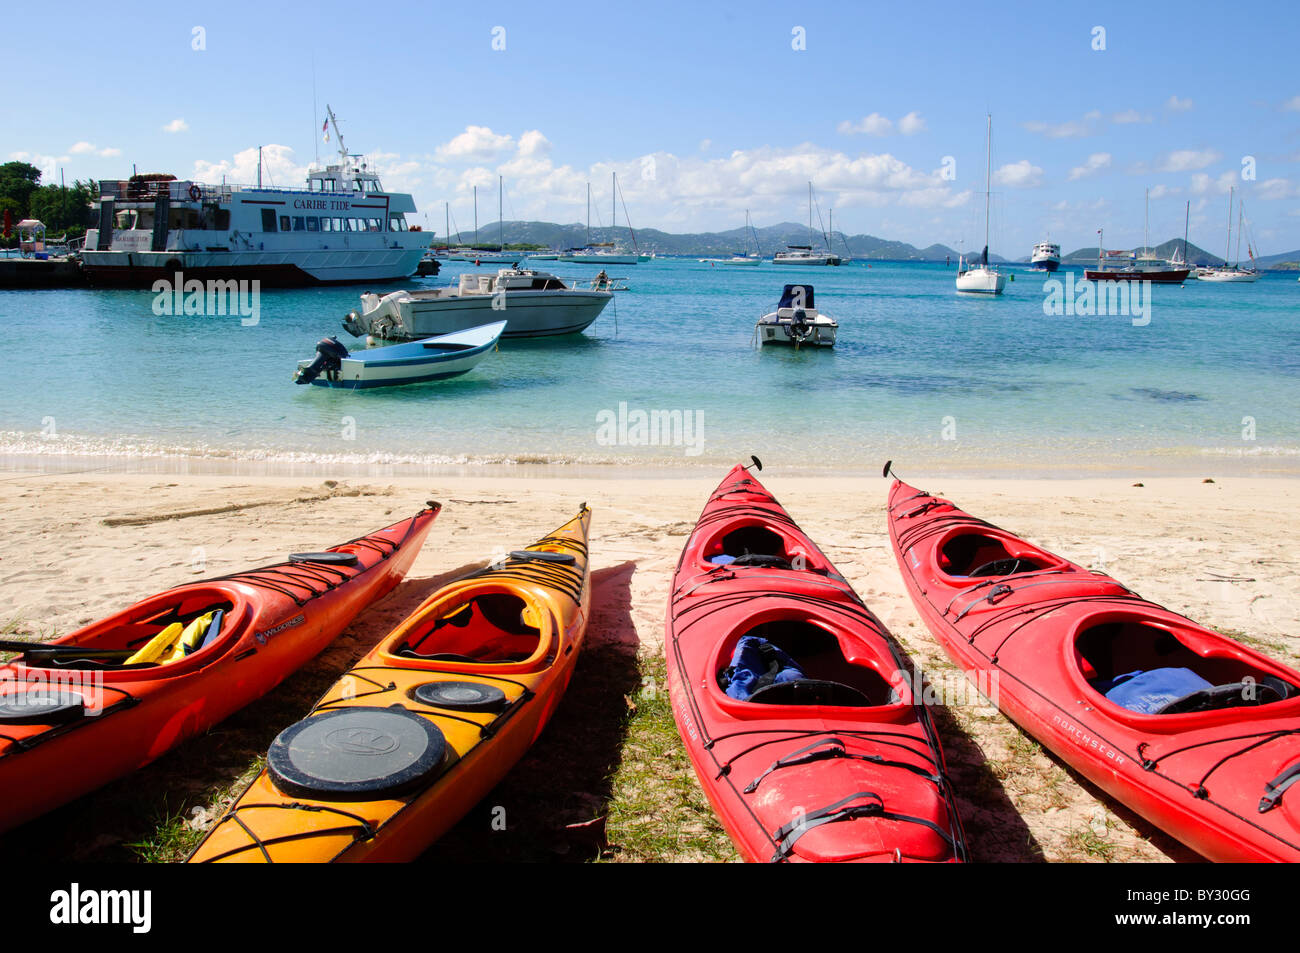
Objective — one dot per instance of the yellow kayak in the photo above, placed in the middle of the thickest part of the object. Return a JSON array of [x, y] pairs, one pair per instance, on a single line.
[[427, 723]]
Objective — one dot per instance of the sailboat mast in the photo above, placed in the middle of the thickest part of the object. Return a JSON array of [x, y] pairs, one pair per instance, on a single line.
[[588, 214], [1187, 220], [613, 199], [501, 225], [1146, 224], [446, 206], [1227, 247], [810, 231], [988, 183], [476, 215], [1241, 215]]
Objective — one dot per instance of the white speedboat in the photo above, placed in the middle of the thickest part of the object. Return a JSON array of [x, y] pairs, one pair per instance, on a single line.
[[797, 321], [532, 303], [344, 227], [982, 278], [417, 362], [733, 260]]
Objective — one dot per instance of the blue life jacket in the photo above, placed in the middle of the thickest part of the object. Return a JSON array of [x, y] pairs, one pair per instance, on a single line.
[[755, 664], [1148, 692]]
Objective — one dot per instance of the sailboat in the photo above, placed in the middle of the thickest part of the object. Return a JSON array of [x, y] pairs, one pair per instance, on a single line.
[[601, 253], [745, 258], [486, 255], [1236, 274], [982, 278], [804, 254], [1180, 257]]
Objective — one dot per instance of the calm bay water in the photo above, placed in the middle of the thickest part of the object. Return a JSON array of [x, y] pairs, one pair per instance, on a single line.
[[935, 380]]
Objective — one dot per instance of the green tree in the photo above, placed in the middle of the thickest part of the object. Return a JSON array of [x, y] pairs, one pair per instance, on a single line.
[[18, 180], [61, 208]]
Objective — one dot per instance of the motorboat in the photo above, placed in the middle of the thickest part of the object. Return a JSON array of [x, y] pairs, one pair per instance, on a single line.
[[532, 303], [797, 321], [416, 362], [1046, 256]]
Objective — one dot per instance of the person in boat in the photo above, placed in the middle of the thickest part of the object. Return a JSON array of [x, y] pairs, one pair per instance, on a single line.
[[602, 279]]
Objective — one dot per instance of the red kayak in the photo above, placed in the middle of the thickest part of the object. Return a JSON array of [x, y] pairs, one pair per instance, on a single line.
[[1194, 731], [80, 711], [796, 708]]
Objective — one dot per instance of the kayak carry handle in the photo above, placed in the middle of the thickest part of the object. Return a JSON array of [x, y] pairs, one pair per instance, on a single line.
[[329, 558], [756, 465], [543, 556]]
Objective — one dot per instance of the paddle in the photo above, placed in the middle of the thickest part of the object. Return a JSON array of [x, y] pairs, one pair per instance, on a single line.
[[40, 648]]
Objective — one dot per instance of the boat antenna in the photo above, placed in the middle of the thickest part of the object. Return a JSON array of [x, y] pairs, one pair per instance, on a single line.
[[314, 141]]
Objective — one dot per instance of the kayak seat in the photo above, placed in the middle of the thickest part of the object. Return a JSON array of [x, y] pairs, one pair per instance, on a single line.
[[753, 541], [493, 628], [787, 652], [975, 555], [1147, 669]]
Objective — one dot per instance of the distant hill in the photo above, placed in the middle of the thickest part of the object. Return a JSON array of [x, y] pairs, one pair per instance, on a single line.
[[771, 239], [1278, 261], [1198, 256]]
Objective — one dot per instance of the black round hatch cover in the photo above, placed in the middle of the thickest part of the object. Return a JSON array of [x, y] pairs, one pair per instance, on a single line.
[[40, 704], [351, 751], [332, 559], [462, 696], [544, 556]]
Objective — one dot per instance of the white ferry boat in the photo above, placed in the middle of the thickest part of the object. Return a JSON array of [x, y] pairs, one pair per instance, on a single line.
[[1046, 257], [342, 228]]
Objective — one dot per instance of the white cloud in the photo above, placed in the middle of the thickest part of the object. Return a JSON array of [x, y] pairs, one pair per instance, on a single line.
[[1019, 175], [1160, 191], [1272, 189], [48, 164], [1128, 117], [1094, 164], [176, 125], [278, 168], [1180, 105], [1292, 104], [88, 148], [533, 143], [873, 125], [475, 144], [911, 124], [1203, 183], [1187, 160], [1070, 129], [706, 145]]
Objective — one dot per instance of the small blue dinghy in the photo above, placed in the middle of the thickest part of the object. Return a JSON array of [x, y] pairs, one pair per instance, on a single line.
[[414, 362]]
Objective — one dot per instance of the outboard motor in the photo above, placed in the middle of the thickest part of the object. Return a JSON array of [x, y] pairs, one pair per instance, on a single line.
[[329, 357]]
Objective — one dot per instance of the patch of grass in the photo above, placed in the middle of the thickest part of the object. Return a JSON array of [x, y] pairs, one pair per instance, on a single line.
[[1088, 842], [657, 809]]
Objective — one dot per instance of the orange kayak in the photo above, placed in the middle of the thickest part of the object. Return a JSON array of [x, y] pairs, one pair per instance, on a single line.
[[83, 710], [426, 724]]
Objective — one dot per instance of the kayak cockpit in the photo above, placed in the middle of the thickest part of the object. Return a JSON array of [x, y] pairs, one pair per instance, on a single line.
[[759, 544], [800, 662], [159, 633], [490, 626], [980, 555], [1145, 667]]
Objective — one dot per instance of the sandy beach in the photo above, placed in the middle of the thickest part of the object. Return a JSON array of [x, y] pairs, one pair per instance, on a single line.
[[78, 546]]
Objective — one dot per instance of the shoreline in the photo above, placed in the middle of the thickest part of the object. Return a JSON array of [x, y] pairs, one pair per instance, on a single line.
[[81, 545]]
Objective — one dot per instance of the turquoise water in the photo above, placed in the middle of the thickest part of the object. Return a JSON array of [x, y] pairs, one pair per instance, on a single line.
[[920, 374]]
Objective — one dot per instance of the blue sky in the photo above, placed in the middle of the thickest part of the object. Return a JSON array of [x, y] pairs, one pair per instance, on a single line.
[[705, 110]]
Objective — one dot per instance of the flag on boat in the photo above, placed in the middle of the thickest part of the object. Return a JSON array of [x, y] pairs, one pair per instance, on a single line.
[[325, 128]]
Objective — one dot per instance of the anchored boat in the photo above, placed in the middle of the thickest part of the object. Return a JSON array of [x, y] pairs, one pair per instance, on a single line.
[[532, 303], [797, 321], [416, 362]]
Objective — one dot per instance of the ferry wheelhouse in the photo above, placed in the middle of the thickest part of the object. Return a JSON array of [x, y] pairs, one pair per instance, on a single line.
[[344, 227]]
